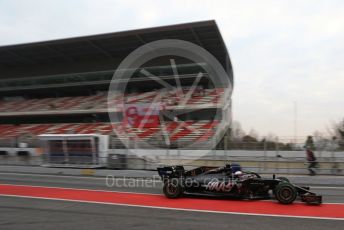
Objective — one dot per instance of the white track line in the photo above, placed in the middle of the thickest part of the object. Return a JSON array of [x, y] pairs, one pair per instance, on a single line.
[[82, 189], [326, 187], [176, 209], [128, 178], [155, 180], [83, 177]]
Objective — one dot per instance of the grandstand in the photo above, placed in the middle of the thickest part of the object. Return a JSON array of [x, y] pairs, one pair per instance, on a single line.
[[60, 87]]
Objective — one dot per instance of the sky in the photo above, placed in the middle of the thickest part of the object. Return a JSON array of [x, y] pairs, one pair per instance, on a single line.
[[284, 52]]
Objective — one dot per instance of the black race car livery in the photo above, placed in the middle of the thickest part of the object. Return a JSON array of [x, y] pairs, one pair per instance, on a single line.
[[231, 182]]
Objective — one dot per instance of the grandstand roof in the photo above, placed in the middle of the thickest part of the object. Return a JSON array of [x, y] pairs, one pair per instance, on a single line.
[[103, 50]]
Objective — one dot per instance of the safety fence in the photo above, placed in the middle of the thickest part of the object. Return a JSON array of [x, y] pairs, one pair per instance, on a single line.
[[277, 144], [295, 165]]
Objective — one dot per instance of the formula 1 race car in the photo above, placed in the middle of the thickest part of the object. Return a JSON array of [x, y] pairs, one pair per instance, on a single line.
[[231, 182]]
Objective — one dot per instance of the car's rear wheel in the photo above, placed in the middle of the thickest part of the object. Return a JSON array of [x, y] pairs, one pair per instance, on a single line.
[[173, 188], [285, 193]]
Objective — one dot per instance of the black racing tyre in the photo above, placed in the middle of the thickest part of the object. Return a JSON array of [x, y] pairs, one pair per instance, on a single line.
[[283, 179], [173, 188], [285, 193]]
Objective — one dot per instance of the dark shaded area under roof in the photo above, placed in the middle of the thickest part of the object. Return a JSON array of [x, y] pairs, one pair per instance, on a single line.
[[103, 51]]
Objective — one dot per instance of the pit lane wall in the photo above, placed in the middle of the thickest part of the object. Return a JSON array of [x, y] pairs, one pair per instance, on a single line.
[[284, 162]]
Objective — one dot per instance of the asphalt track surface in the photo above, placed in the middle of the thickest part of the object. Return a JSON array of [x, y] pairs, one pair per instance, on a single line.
[[17, 212]]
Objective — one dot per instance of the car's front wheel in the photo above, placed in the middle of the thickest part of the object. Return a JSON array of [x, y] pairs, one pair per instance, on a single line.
[[283, 179], [285, 193], [173, 188]]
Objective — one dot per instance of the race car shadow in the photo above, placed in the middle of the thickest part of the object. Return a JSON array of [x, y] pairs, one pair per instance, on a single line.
[[223, 197]]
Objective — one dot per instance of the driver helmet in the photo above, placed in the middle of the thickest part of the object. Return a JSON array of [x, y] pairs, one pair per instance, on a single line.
[[238, 173]]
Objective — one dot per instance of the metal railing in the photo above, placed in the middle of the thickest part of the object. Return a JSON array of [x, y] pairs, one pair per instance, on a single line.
[[327, 166], [115, 142]]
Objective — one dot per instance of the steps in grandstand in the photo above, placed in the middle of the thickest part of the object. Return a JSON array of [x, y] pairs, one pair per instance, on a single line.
[[208, 97], [176, 131]]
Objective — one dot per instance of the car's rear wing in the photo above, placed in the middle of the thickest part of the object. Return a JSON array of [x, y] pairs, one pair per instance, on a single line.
[[171, 171]]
